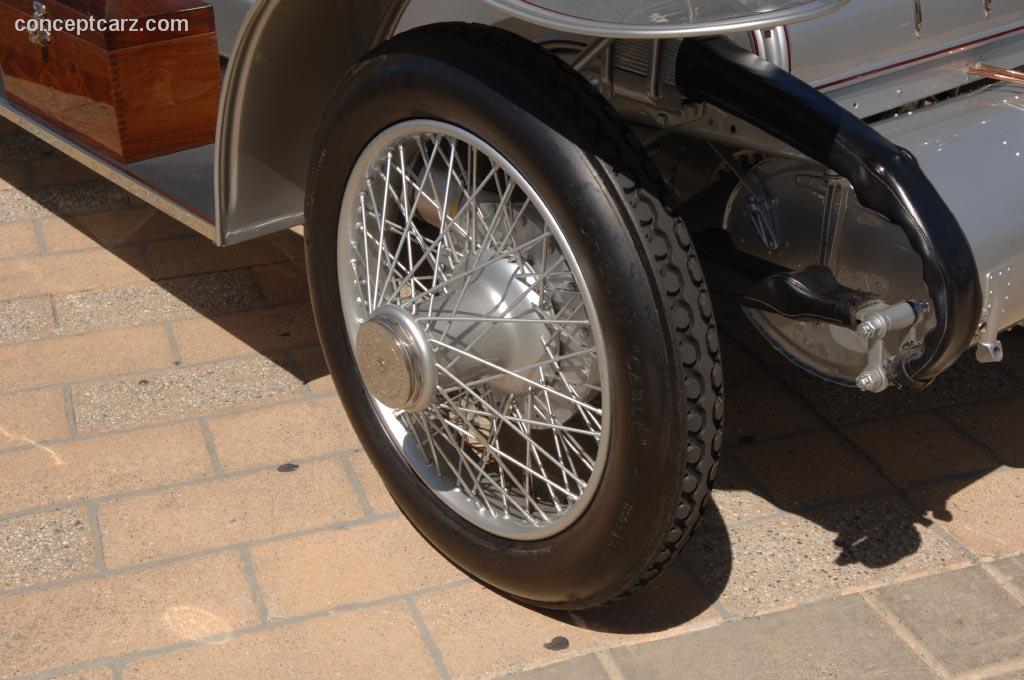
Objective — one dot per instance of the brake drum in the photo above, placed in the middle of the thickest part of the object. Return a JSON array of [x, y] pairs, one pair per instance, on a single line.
[[820, 221]]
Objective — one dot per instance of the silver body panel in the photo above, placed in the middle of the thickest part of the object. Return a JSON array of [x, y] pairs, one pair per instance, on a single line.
[[868, 36], [870, 57], [230, 17], [972, 149], [896, 87], [640, 19]]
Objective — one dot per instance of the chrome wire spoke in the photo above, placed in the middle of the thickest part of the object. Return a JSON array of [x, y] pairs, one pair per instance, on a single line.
[[497, 414], [483, 318], [454, 262], [537, 424], [500, 457], [519, 370], [482, 474], [507, 372], [508, 304], [409, 228], [439, 287]]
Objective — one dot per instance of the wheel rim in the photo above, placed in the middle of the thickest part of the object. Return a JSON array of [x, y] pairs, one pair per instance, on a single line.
[[474, 331]]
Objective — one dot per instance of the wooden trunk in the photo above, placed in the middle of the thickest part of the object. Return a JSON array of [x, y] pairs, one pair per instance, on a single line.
[[131, 95]]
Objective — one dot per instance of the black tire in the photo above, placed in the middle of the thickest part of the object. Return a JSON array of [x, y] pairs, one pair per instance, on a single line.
[[661, 338]]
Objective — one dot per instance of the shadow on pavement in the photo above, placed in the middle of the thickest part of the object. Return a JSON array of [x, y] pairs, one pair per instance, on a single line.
[[221, 284], [918, 449], [675, 597]]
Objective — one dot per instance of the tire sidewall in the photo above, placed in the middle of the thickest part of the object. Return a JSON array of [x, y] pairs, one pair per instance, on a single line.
[[605, 550]]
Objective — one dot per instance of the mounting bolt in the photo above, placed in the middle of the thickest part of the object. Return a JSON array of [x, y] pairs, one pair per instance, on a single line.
[[872, 328], [873, 380]]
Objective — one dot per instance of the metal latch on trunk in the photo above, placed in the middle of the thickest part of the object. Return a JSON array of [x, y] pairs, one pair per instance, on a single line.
[[39, 35]]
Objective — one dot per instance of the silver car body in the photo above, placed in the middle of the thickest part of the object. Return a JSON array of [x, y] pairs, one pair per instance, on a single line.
[[870, 56], [287, 54]]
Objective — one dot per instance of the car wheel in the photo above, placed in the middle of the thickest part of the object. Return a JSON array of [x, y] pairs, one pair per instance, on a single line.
[[518, 329]]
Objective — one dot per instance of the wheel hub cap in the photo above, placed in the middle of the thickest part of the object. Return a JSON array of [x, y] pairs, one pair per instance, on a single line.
[[500, 290], [395, 360]]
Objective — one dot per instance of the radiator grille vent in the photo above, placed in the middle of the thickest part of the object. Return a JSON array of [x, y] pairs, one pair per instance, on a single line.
[[634, 56]]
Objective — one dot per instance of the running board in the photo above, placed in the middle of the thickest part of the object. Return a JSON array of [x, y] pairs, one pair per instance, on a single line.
[[179, 184]]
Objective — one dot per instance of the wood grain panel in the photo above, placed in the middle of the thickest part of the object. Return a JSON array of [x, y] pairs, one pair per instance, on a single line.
[[135, 102], [169, 94]]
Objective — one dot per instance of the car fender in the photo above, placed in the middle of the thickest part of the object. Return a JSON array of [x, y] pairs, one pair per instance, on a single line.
[[287, 59], [289, 55]]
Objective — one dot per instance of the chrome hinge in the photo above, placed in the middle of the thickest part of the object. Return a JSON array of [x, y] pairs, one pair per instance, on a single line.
[[39, 35]]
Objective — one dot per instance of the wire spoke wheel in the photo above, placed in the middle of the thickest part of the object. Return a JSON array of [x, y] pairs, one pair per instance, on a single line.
[[474, 330], [516, 324]]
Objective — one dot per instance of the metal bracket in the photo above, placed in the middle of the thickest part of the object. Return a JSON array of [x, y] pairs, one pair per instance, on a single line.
[[833, 219], [877, 322], [595, 49], [763, 207], [763, 212], [997, 293]]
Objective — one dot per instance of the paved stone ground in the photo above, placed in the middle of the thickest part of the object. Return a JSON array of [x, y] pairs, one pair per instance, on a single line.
[[153, 386]]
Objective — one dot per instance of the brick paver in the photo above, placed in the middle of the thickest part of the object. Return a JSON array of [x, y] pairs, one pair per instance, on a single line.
[[1013, 569], [109, 617], [964, 619], [379, 560], [72, 271], [182, 495], [840, 639], [82, 357], [43, 547], [221, 512], [912, 449], [40, 475], [333, 642], [288, 431], [19, 239], [32, 416]]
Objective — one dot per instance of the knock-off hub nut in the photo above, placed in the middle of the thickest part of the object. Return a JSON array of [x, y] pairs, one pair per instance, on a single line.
[[395, 360]]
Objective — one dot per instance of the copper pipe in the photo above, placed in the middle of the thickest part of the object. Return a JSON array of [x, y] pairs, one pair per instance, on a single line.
[[996, 73]]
